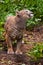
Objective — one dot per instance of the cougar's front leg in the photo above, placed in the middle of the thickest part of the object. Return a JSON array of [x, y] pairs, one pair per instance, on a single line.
[[9, 45], [18, 50], [19, 44]]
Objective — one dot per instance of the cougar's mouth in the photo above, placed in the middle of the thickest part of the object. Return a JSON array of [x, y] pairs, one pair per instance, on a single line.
[[31, 14]]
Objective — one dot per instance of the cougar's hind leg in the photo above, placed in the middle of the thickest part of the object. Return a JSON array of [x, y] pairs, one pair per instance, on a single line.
[[9, 45]]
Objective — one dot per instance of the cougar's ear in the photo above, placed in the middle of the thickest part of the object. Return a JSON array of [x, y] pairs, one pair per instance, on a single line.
[[18, 13]]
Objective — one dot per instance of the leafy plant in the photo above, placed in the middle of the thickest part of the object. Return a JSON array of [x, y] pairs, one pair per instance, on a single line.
[[37, 51]]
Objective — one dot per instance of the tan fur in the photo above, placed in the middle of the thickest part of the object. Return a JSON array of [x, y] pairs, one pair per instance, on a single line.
[[14, 27]]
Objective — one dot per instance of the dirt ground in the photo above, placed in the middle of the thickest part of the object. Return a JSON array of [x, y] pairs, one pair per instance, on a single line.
[[30, 37]]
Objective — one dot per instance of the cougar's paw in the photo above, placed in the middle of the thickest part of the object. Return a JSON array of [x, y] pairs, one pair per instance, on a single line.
[[18, 52], [10, 51]]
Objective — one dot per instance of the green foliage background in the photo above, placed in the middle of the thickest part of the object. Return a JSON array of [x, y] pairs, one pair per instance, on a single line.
[[36, 52], [8, 7]]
